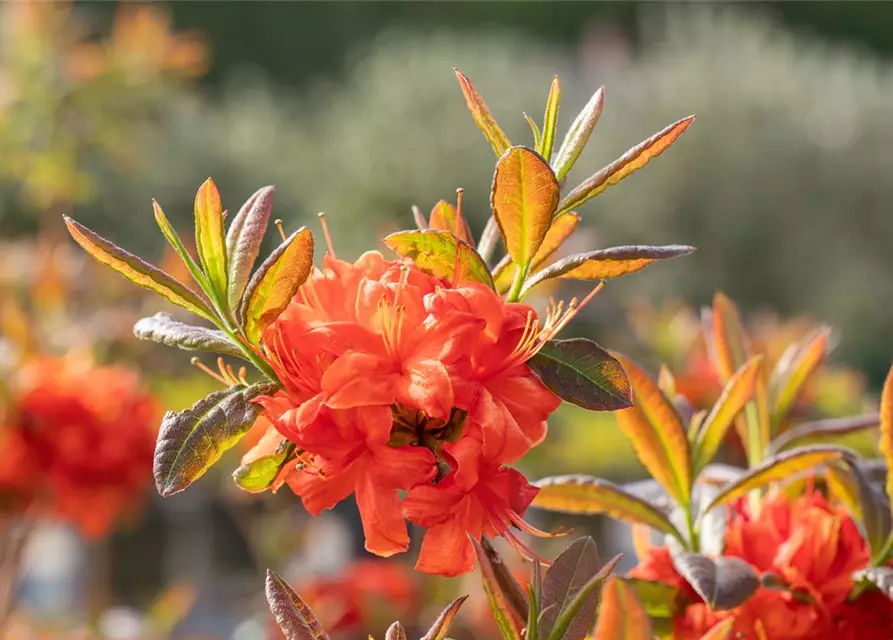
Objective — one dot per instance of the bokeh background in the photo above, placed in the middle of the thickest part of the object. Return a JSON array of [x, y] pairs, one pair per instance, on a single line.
[[783, 183]]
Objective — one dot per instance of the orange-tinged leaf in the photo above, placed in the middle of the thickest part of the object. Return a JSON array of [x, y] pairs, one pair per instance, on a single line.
[[578, 135], [435, 252], [730, 348], [443, 216], [509, 626], [780, 467], [562, 227], [735, 395], [608, 263], [720, 631], [550, 121], [793, 372], [523, 199], [210, 239], [137, 271], [621, 615], [441, 626], [657, 434], [275, 283], [586, 495], [629, 162], [666, 381], [482, 116], [885, 445]]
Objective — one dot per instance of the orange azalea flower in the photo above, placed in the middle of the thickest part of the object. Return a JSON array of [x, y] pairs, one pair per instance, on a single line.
[[815, 548], [395, 379], [84, 437]]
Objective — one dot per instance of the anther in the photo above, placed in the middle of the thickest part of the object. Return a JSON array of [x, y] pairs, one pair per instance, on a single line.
[[278, 223], [325, 231]]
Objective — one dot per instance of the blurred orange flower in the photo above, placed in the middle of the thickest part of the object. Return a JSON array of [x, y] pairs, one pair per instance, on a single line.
[[814, 548], [76, 441]]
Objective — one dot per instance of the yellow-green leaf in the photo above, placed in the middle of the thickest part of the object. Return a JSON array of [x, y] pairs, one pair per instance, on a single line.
[[628, 163], [482, 116], [794, 370], [137, 271], [435, 252], [885, 445], [780, 467], [607, 263], [550, 121], [657, 434], [523, 199], [534, 129], [445, 218], [562, 227], [823, 430], [210, 239], [275, 283], [176, 243], [621, 616], [508, 624], [737, 392], [586, 495], [578, 135]]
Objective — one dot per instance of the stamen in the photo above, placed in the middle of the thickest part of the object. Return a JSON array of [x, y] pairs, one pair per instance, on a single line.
[[325, 230], [198, 364], [278, 223], [459, 193]]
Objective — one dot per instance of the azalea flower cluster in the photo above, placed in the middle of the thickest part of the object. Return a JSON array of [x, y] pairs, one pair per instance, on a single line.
[[76, 441], [394, 381], [807, 551]]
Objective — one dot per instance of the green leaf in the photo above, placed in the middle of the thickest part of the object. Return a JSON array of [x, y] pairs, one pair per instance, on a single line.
[[209, 238], [535, 130], [137, 271], [259, 474], [823, 430], [580, 600], [243, 241], [582, 373], [621, 615], [396, 632], [190, 441], [550, 121], [660, 600], [793, 371], [523, 199], [586, 495], [657, 434], [164, 329], [578, 135], [173, 239], [847, 483], [434, 252], [441, 626], [276, 282], [482, 116], [607, 263], [628, 163], [535, 600], [779, 467], [502, 613], [567, 576], [293, 615], [737, 392], [511, 590], [723, 583]]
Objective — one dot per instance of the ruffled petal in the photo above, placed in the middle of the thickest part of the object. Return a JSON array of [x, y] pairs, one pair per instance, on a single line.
[[383, 523], [446, 549]]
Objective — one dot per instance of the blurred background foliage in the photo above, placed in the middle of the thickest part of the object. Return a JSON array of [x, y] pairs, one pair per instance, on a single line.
[[352, 108]]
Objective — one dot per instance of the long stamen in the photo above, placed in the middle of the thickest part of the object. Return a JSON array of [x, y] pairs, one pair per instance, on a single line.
[[459, 193], [201, 366], [278, 223], [325, 231]]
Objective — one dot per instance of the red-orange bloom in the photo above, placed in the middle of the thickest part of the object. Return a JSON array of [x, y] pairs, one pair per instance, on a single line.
[[394, 379], [84, 434], [810, 545]]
